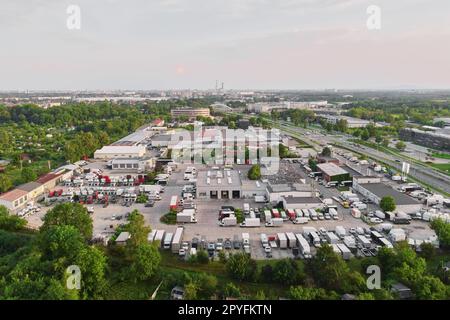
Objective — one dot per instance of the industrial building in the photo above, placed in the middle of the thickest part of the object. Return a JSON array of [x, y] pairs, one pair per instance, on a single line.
[[192, 114], [20, 196], [161, 140], [115, 151], [375, 190], [218, 184], [276, 192], [351, 122], [436, 140], [135, 164], [332, 172]]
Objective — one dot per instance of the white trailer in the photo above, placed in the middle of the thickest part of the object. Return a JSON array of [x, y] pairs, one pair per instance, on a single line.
[[228, 221], [315, 239], [275, 222], [345, 252], [313, 214], [186, 216], [305, 249], [173, 203], [159, 236], [331, 238], [246, 208], [267, 215], [350, 242], [308, 230], [364, 241], [306, 213], [336, 249], [264, 239], [380, 214], [333, 213], [299, 213], [282, 240], [251, 223], [292, 240], [177, 239], [302, 220], [168, 240], [151, 236]]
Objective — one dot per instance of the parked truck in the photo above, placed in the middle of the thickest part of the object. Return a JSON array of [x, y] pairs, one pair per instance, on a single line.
[[300, 220], [177, 239], [275, 222], [246, 241], [228, 222], [267, 215], [168, 240], [331, 238], [264, 240], [345, 252], [186, 216], [159, 236], [292, 240], [282, 240], [340, 231], [250, 223], [303, 245], [173, 203]]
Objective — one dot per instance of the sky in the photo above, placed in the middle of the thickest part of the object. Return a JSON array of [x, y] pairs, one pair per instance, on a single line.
[[247, 44]]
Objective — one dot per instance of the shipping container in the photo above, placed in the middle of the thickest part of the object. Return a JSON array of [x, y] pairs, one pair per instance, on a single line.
[[282, 240], [177, 239], [292, 240]]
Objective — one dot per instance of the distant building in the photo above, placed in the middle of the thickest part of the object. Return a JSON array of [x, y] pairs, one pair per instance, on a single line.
[[158, 123], [219, 184], [20, 196], [351, 122], [243, 124], [375, 190], [127, 164], [429, 139], [332, 172], [192, 114], [112, 152], [293, 203]]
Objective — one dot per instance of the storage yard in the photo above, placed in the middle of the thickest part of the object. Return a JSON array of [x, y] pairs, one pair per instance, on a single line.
[[285, 215]]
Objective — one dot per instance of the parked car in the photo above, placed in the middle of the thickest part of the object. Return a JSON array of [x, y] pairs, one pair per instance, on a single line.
[[150, 203], [227, 244]]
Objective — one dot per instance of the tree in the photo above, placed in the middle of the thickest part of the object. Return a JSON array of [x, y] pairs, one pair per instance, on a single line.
[[207, 284], [255, 172], [5, 183], [10, 222], [326, 152], [401, 146], [241, 267], [305, 293], [202, 256], [342, 125], [365, 135], [287, 271], [28, 175], [60, 242], [92, 263], [312, 163], [146, 260], [190, 291], [442, 230], [70, 214], [387, 203], [428, 251], [385, 142], [137, 229], [231, 290]]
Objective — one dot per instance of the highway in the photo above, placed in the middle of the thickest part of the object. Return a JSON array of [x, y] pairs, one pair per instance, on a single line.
[[424, 174]]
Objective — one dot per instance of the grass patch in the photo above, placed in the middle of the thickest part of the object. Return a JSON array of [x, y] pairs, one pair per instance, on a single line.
[[169, 218], [441, 155], [444, 167]]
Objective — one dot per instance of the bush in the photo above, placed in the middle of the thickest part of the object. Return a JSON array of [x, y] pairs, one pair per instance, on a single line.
[[387, 204], [241, 267], [169, 218], [202, 257], [255, 172], [10, 222], [232, 291]]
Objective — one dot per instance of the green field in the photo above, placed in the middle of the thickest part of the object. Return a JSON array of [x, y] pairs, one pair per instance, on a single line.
[[444, 167], [441, 155]]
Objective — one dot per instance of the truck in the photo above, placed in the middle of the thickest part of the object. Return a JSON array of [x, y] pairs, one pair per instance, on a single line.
[[299, 213], [159, 236], [282, 240], [331, 238], [313, 214], [291, 214], [264, 240], [228, 222], [315, 239], [340, 231], [186, 216], [333, 213], [364, 241], [300, 220], [245, 240], [246, 208], [177, 239], [250, 222], [359, 205], [275, 213], [379, 214], [275, 222], [173, 203], [292, 240], [350, 242], [267, 215], [151, 236], [356, 213], [345, 252], [303, 245], [283, 215], [308, 230], [167, 241]]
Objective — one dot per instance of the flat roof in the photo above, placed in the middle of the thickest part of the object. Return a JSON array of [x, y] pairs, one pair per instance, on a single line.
[[121, 149], [382, 190], [30, 186], [331, 169], [13, 195], [302, 200], [202, 179], [48, 177]]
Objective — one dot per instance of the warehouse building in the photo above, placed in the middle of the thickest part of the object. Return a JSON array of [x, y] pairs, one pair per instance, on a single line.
[[218, 184], [112, 152], [332, 172], [436, 140], [20, 196], [139, 165], [192, 114], [276, 192], [375, 191], [161, 140]]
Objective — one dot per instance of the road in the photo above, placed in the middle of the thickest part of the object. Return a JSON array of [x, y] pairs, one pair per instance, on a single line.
[[422, 173]]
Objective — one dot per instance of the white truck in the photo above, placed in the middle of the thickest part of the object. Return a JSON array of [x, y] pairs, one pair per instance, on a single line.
[[275, 222], [151, 236], [350, 242], [303, 245], [299, 213], [168, 240], [177, 239], [282, 240], [333, 213], [300, 220], [331, 238], [345, 252], [315, 239], [359, 205], [159, 236], [380, 214], [308, 230], [246, 241], [246, 208], [264, 240], [340, 231], [228, 221], [186, 216], [267, 215], [250, 223], [292, 240], [313, 214], [364, 241]]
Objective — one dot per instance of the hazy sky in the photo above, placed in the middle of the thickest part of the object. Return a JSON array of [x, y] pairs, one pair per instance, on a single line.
[[260, 44]]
